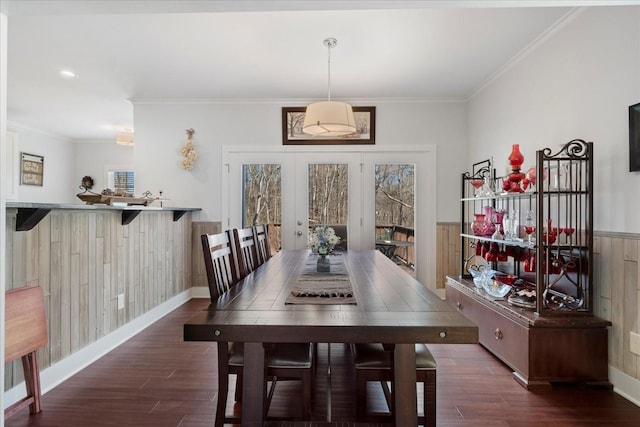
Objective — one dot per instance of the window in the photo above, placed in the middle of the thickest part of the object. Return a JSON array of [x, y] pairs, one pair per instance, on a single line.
[[121, 181]]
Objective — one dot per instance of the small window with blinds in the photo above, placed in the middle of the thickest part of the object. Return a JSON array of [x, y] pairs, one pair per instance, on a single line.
[[121, 181]]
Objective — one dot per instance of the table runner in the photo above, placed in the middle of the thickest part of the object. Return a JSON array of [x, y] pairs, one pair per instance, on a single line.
[[312, 287]]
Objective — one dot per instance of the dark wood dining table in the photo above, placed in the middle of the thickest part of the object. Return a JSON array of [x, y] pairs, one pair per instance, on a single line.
[[391, 307]]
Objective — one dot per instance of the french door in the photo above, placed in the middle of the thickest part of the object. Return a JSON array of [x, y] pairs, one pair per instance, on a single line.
[[298, 194], [299, 203]]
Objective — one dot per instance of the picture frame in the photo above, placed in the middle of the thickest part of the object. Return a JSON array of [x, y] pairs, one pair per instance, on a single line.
[[31, 169], [293, 118], [634, 138]]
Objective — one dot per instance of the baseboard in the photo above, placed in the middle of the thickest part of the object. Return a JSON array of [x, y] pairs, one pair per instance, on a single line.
[[200, 292], [64, 369], [625, 385]]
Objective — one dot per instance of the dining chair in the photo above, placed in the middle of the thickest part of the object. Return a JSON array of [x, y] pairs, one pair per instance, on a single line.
[[245, 245], [373, 363], [290, 361], [263, 248], [25, 332], [220, 263]]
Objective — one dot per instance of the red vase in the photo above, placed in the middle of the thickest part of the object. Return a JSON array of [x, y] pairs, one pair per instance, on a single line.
[[516, 158], [480, 225]]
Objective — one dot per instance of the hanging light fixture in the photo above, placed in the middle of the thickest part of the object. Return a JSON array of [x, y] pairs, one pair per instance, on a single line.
[[125, 138], [329, 118]]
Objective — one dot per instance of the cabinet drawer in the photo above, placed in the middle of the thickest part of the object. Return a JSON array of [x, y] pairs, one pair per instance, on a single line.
[[506, 339]]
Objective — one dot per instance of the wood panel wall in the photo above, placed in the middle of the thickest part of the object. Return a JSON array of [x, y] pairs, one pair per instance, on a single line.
[[84, 260], [199, 273], [448, 252], [617, 294]]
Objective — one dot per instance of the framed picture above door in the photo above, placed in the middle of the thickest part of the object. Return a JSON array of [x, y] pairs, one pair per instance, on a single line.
[[293, 119]]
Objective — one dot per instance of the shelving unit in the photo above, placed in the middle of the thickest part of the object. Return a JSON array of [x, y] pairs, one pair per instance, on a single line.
[[544, 329]]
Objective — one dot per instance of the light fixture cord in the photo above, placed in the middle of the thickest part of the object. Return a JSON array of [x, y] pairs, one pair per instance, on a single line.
[[329, 73]]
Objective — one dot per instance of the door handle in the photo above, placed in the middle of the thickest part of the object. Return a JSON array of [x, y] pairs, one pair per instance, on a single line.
[[299, 233], [299, 222]]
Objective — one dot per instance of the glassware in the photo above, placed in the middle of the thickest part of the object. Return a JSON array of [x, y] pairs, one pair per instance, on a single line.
[[481, 274], [530, 226], [515, 161], [511, 225], [568, 231], [530, 263], [489, 214], [531, 175], [477, 184], [487, 188], [496, 288], [479, 226], [492, 255], [516, 158]]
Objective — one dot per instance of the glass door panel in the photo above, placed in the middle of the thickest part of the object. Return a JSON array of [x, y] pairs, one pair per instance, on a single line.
[[326, 182], [395, 211], [328, 199], [262, 199]]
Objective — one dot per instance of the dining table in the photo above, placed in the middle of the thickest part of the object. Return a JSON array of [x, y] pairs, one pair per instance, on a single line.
[[389, 306]]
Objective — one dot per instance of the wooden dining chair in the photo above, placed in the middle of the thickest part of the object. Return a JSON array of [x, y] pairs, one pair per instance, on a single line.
[[373, 363], [263, 248], [282, 361], [25, 332], [245, 245], [220, 263]]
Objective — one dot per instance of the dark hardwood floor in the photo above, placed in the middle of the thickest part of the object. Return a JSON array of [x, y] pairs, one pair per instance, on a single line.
[[156, 379]]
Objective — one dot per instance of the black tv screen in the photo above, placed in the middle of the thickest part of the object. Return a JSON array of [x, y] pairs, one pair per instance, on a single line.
[[634, 138]]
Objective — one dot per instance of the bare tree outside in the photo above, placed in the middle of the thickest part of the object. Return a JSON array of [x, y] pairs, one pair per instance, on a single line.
[[294, 123], [394, 185], [328, 197], [262, 198], [328, 194]]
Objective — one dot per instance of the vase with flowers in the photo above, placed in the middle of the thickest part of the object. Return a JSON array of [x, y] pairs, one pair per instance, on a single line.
[[322, 240]]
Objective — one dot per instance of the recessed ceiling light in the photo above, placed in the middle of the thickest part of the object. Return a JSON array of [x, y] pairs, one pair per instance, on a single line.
[[68, 74]]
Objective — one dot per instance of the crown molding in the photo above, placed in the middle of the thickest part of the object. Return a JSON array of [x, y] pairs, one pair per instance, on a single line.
[[559, 25]]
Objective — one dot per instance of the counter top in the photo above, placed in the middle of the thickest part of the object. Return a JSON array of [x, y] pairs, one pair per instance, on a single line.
[[32, 205], [30, 214]]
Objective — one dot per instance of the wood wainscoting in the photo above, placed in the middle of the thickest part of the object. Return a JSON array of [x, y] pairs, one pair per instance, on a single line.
[[617, 296], [84, 260], [199, 272], [448, 252]]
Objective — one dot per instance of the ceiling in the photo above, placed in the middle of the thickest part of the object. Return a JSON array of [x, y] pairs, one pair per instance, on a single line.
[[252, 51]]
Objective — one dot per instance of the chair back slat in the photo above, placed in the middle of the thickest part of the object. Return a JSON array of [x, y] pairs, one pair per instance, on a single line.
[[220, 263], [262, 243], [246, 250]]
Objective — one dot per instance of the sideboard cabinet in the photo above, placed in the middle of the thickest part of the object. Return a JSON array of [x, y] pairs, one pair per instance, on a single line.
[[533, 231]]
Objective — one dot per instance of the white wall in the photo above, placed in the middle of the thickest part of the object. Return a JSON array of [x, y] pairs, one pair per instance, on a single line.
[[95, 158], [59, 185], [578, 83], [161, 131]]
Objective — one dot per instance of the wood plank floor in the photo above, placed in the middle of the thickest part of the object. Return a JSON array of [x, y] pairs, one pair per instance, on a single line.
[[156, 379]]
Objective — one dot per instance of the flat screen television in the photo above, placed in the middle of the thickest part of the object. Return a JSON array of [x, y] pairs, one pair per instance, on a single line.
[[634, 138]]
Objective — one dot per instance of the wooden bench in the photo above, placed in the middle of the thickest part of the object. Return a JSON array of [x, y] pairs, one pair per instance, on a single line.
[[25, 332]]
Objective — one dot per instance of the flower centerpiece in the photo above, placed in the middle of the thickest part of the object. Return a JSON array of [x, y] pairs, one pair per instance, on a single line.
[[322, 240]]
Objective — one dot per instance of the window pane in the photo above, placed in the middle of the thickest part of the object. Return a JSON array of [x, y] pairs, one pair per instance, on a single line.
[[121, 181], [262, 199], [328, 194], [394, 185]]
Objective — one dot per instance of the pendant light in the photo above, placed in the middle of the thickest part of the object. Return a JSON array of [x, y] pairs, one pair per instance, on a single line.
[[329, 118], [125, 138]]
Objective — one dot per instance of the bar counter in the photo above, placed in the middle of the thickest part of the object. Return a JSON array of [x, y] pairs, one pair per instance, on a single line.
[[99, 268], [29, 214]]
